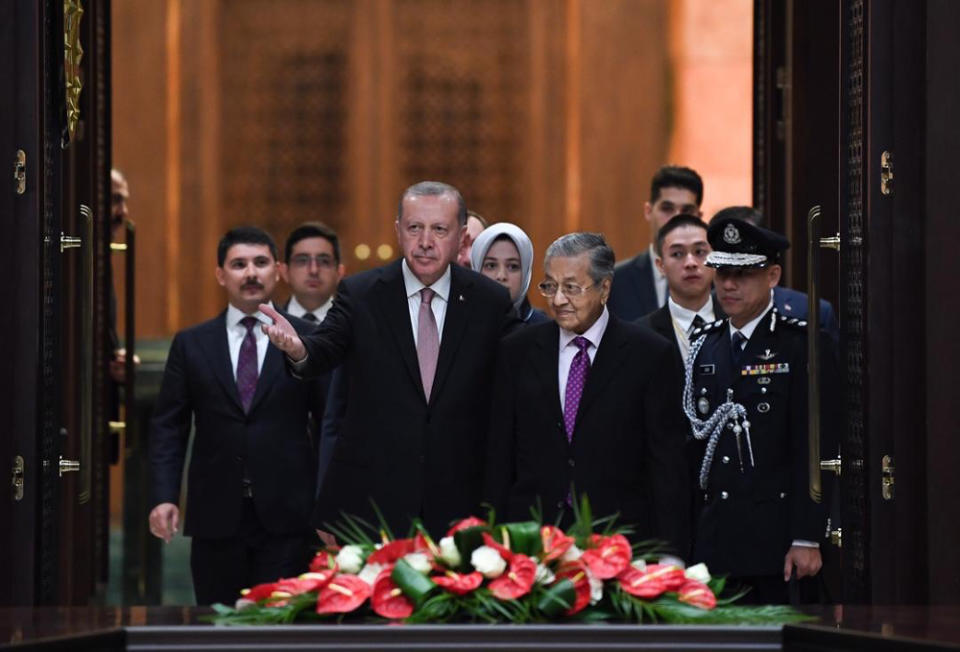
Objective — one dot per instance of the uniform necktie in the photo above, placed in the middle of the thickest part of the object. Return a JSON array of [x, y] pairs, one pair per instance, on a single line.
[[697, 322], [309, 316], [428, 341], [576, 379], [736, 347], [247, 364]]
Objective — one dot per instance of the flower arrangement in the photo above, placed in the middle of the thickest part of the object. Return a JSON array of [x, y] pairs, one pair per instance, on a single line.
[[482, 571]]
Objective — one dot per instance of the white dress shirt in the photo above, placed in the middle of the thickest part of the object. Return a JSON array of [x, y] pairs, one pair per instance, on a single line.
[[568, 350], [682, 319], [659, 278], [237, 331], [297, 310], [441, 288]]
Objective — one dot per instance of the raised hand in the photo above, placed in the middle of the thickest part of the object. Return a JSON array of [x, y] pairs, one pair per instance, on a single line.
[[282, 334]]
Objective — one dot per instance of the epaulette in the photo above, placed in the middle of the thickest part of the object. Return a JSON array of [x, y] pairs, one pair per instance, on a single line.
[[706, 328], [791, 321]]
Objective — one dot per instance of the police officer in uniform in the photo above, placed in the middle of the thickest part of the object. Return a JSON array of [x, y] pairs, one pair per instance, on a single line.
[[746, 398]]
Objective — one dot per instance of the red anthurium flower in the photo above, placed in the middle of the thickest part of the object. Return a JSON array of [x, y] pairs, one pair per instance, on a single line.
[[609, 556], [323, 561], [259, 592], [304, 583], [391, 552], [649, 584], [517, 581], [459, 583], [423, 543], [576, 572], [342, 594], [499, 547], [697, 594], [470, 521], [555, 542], [388, 600]]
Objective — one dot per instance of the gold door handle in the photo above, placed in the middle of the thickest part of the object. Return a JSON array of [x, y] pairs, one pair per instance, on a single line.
[[69, 242], [887, 479], [118, 246], [68, 466], [831, 465], [832, 242], [117, 427]]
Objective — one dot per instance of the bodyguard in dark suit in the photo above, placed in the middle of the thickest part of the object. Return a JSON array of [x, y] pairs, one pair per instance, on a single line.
[[251, 478], [749, 377], [639, 287], [588, 401], [682, 250], [417, 339]]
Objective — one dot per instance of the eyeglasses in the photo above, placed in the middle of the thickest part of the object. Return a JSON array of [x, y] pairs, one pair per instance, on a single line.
[[549, 289], [323, 261]]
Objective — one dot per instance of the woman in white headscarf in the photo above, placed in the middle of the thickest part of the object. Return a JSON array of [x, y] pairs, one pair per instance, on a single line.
[[504, 253]]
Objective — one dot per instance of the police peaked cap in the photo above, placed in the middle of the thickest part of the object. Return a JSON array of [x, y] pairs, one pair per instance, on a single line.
[[738, 243]]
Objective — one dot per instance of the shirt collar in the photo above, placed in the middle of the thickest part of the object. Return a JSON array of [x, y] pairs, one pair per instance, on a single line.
[[413, 285], [751, 325], [684, 316], [594, 334], [296, 309], [234, 315]]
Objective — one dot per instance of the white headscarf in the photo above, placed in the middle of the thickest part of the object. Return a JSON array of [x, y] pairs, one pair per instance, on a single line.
[[520, 239]]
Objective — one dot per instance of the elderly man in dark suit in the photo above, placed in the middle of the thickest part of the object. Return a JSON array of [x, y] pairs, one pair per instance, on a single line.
[[639, 287], [417, 339], [251, 478], [682, 250], [589, 401]]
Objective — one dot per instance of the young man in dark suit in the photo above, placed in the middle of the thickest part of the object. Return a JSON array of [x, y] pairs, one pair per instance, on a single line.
[[312, 269], [251, 478], [413, 436], [589, 401], [639, 287], [682, 250]]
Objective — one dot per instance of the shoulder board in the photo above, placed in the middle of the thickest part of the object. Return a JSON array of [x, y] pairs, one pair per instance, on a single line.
[[706, 328], [791, 321]]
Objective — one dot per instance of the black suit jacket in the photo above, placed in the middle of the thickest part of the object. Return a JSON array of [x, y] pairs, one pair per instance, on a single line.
[[627, 450], [633, 293], [270, 444], [413, 458]]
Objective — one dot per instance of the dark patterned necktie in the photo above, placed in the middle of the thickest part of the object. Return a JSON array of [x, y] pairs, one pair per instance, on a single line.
[[697, 322], [576, 379], [309, 316], [736, 347], [247, 364]]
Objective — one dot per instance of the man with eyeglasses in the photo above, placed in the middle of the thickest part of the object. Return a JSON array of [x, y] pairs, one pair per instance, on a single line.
[[312, 270], [587, 404]]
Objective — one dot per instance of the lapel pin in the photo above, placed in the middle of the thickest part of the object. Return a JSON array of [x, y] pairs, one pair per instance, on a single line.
[[767, 355], [461, 298]]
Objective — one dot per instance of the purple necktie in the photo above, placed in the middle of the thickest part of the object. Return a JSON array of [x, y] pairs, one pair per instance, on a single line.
[[576, 379], [247, 364], [428, 341]]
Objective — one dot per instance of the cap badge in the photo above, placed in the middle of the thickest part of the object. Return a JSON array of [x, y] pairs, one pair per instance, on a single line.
[[731, 235]]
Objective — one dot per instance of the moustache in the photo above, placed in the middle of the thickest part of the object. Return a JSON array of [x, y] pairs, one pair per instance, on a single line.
[[252, 285]]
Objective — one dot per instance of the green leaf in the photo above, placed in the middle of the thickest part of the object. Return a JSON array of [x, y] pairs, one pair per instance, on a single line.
[[559, 597], [468, 540], [414, 584], [524, 537]]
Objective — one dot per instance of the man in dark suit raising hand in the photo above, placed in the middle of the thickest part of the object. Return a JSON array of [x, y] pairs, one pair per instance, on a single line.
[[413, 436]]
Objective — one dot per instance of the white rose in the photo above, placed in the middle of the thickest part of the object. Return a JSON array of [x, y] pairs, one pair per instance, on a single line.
[[243, 603], [418, 561], [350, 559], [596, 587], [544, 575], [572, 554], [488, 562], [370, 572], [698, 573], [449, 552], [640, 565]]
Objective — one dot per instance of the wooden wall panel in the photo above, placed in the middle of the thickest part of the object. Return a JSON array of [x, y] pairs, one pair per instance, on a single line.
[[549, 113]]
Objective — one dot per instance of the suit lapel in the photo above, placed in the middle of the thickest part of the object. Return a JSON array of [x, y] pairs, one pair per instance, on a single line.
[[454, 325], [217, 352], [546, 357], [604, 367], [266, 381], [395, 312], [646, 289], [662, 323]]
